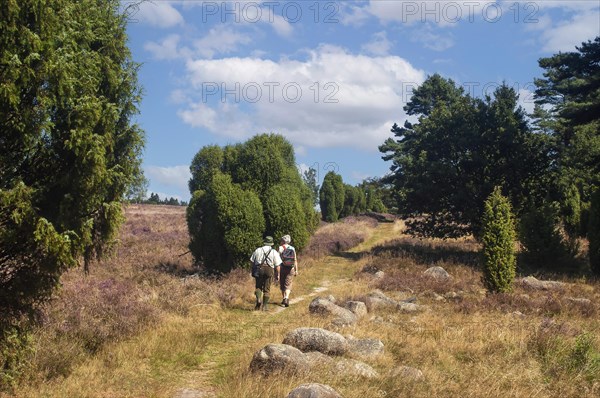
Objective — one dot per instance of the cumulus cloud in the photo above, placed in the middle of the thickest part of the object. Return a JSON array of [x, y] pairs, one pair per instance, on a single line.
[[332, 98], [379, 45], [566, 35], [432, 40], [175, 176], [165, 49], [161, 14], [220, 40]]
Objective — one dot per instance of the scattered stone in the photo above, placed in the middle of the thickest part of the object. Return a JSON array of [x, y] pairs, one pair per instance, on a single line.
[[189, 393], [316, 358], [580, 301], [313, 390], [452, 296], [406, 372], [279, 357], [322, 306], [377, 299], [536, 284], [316, 339], [438, 273], [365, 348], [409, 307], [412, 300], [518, 314], [370, 269], [379, 274], [352, 367], [358, 308], [437, 297]]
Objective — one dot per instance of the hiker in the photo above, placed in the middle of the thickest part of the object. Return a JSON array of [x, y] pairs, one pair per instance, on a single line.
[[289, 268], [265, 265]]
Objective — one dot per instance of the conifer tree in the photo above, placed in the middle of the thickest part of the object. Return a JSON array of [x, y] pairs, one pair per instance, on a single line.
[[498, 237]]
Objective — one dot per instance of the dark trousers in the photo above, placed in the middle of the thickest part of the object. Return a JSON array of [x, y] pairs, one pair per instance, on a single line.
[[264, 280]]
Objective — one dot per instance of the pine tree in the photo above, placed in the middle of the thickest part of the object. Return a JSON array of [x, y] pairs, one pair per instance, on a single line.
[[498, 238]]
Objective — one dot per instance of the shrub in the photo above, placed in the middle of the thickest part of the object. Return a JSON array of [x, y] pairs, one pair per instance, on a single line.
[[226, 224], [594, 233], [255, 189], [327, 202], [284, 214], [498, 240], [540, 236]]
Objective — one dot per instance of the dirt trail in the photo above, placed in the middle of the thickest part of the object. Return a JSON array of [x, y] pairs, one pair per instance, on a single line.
[[340, 268]]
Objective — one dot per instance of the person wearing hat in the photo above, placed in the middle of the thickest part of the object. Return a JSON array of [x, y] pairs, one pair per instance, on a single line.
[[266, 261], [289, 268]]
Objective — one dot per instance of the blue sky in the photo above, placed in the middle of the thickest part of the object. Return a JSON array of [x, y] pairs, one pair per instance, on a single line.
[[331, 76]]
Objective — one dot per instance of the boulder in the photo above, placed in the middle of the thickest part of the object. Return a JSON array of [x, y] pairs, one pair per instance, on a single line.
[[313, 390], [318, 359], [532, 282], [316, 339], [409, 307], [342, 315], [438, 273], [365, 348], [579, 301], [377, 299], [279, 357], [358, 308], [407, 373], [354, 368]]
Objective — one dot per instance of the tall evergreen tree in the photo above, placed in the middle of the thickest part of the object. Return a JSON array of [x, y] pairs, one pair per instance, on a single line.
[[571, 88], [498, 238], [69, 148], [446, 165], [328, 202]]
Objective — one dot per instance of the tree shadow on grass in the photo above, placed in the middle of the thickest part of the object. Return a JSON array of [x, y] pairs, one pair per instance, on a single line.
[[353, 256], [431, 252]]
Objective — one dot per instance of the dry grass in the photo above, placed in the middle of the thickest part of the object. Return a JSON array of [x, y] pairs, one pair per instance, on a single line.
[[162, 329]]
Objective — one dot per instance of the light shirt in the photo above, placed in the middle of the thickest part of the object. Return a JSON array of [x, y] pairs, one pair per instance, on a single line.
[[273, 259]]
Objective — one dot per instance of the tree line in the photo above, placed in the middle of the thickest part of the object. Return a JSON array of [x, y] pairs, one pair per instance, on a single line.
[[547, 164]]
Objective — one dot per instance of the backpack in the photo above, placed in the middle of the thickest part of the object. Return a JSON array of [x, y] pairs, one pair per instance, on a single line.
[[288, 255]]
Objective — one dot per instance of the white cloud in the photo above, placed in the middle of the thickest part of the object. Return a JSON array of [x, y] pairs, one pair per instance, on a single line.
[[343, 99], [166, 49], [526, 100], [220, 40], [353, 15], [175, 176], [159, 13], [568, 34], [442, 13], [379, 45], [432, 40]]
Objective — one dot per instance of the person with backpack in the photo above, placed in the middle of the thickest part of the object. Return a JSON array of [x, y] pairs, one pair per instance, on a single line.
[[265, 265], [289, 268]]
